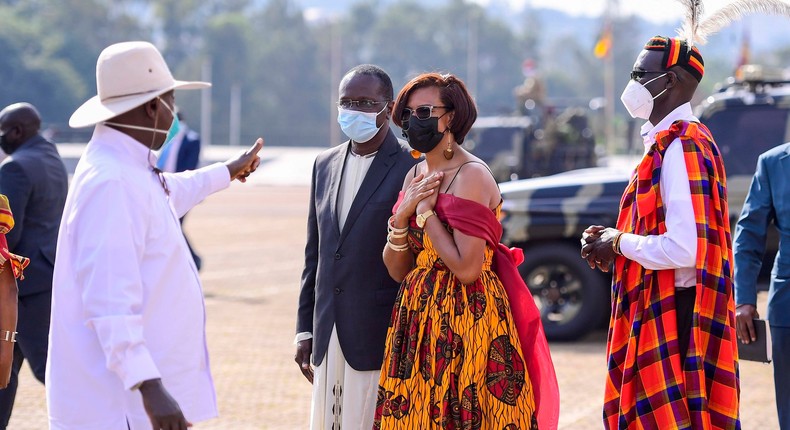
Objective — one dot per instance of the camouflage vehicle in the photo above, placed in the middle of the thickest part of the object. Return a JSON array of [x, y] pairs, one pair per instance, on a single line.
[[546, 216], [531, 146]]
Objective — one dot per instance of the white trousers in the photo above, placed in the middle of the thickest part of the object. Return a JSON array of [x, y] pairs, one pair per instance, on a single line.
[[343, 398]]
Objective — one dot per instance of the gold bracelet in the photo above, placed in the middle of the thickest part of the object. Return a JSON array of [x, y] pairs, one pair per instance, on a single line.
[[616, 243], [391, 226], [8, 336]]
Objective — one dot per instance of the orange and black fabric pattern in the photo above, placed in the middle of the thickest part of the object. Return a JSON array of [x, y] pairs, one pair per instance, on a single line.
[[647, 386], [677, 53]]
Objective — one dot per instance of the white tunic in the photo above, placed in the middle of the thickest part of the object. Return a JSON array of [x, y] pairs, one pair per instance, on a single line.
[[127, 303]]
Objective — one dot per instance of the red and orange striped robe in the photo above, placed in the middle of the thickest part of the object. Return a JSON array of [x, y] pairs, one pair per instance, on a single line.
[[647, 386]]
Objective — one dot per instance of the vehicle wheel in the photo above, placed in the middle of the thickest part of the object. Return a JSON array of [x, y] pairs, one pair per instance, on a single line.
[[571, 297]]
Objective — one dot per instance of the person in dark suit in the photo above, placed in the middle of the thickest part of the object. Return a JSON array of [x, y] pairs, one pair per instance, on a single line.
[[34, 179], [346, 294], [768, 202], [181, 154]]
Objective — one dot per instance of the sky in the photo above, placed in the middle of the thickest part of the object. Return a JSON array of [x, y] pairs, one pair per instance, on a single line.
[[654, 10]]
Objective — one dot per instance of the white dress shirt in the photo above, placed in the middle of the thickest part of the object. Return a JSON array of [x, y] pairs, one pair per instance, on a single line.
[[127, 303], [677, 248]]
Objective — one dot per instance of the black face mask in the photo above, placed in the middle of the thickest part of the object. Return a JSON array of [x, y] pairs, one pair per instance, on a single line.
[[5, 145], [423, 134]]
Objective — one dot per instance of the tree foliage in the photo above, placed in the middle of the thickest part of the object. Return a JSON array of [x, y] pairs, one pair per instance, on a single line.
[[287, 66]]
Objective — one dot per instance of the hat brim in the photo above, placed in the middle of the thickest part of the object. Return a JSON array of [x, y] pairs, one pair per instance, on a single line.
[[95, 111]]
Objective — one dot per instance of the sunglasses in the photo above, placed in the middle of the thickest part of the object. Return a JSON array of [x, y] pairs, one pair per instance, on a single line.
[[421, 112], [360, 104], [639, 74]]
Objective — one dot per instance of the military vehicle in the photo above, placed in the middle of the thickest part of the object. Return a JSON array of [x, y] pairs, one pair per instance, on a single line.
[[542, 137], [527, 146], [546, 216]]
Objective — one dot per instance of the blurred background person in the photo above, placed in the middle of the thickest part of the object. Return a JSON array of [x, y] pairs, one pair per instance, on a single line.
[[180, 154], [34, 179]]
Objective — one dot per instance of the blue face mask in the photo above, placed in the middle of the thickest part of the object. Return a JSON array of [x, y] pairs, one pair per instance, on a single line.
[[175, 126], [358, 126]]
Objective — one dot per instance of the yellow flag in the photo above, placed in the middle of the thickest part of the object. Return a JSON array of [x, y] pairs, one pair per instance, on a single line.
[[604, 44]]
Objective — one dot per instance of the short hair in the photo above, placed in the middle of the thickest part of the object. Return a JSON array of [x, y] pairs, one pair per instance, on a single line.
[[454, 96], [377, 72], [677, 52]]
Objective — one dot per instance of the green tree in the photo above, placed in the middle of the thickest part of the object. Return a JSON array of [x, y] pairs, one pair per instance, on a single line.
[[50, 50]]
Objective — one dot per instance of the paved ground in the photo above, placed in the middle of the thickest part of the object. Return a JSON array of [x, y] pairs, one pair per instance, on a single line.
[[251, 239]]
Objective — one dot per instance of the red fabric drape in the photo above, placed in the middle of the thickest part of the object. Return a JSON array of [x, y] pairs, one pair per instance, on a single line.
[[474, 219]]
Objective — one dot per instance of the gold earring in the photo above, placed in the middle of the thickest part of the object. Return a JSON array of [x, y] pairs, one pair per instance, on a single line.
[[448, 152]]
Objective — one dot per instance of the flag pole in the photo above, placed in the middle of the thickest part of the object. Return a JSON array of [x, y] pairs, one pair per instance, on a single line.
[[608, 82]]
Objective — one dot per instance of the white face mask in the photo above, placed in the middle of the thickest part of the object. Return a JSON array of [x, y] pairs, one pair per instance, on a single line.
[[637, 99], [175, 125], [359, 126]]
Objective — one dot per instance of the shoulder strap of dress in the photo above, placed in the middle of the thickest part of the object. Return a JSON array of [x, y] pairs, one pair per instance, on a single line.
[[415, 170], [459, 171]]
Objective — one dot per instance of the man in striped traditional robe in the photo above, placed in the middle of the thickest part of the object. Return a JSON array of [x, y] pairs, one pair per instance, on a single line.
[[672, 352]]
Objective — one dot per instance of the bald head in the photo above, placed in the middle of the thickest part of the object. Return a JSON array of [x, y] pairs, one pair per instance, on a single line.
[[21, 113], [18, 123]]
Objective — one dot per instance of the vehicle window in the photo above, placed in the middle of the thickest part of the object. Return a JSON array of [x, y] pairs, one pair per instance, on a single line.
[[745, 132]]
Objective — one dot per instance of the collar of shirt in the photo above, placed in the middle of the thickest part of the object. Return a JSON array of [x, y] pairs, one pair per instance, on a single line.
[[134, 152], [649, 131]]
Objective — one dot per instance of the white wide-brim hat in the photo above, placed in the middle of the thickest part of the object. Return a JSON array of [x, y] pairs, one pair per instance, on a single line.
[[128, 74]]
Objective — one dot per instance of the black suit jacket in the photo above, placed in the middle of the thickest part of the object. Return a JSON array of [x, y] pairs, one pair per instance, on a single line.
[[34, 180], [345, 282]]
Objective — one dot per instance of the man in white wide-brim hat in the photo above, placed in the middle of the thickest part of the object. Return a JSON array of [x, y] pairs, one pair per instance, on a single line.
[[127, 340]]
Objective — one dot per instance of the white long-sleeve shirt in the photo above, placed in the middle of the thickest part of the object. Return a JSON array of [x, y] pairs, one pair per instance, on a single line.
[[127, 303], [677, 248]]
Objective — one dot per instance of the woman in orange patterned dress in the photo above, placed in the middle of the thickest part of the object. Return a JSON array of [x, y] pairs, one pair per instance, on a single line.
[[464, 350], [11, 267]]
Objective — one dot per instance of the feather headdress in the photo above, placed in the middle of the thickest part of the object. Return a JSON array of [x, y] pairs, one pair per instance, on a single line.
[[697, 28]]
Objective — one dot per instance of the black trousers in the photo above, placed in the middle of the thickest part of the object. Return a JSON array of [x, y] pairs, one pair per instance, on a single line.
[[31, 345], [684, 306]]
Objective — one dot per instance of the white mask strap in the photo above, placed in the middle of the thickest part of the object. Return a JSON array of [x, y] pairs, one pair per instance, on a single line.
[[136, 127]]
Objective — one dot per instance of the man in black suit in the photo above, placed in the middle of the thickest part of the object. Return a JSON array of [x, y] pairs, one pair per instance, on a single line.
[[34, 179], [346, 294]]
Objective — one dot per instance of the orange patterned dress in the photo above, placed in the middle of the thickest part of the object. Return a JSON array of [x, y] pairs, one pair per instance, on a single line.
[[453, 358]]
